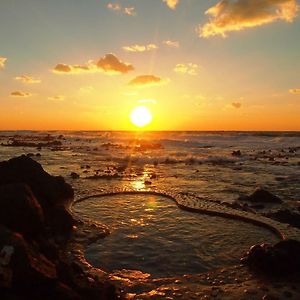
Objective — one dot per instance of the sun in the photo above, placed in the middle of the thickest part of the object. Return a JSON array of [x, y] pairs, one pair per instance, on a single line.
[[141, 116]]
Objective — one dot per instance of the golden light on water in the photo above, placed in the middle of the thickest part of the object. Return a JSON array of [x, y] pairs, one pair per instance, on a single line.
[[141, 116]]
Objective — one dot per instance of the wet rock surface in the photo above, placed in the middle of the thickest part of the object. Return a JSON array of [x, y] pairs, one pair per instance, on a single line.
[[262, 196], [37, 259], [282, 259]]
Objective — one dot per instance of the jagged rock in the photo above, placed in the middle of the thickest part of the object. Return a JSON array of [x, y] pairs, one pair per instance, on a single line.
[[49, 190], [236, 153], [20, 211], [60, 220], [261, 195], [74, 175], [281, 259], [25, 264]]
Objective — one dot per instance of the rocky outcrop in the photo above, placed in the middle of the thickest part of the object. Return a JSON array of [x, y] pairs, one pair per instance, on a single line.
[[285, 216], [35, 229], [262, 196], [20, 211], [281, 259], [51, 192]]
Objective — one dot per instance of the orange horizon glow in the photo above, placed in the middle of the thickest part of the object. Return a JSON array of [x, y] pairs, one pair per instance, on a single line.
[[219, 68]]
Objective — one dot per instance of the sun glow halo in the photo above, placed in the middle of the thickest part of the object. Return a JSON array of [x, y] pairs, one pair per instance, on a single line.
[[141, 116]]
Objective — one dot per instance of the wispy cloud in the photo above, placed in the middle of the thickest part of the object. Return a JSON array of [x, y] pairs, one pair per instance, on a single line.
[[172, 3], [109, 64], [2, 62], [20, 94], [116, 7], [27, 79], [236, 104], [294, 91], [173, 44], [147, 80], [236, 15], [140, 48], [56, 98], [190, 69]]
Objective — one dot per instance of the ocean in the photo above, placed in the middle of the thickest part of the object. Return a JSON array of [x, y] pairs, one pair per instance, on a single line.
[[215, 166]]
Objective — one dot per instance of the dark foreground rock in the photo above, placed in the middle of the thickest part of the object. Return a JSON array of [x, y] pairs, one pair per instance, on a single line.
[[262, 196], [35, 231], [282, 259]]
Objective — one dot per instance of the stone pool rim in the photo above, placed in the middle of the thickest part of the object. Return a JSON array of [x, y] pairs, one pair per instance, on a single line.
[[197, 205]]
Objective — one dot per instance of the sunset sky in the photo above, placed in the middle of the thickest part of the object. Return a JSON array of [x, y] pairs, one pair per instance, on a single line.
[[197, 65]]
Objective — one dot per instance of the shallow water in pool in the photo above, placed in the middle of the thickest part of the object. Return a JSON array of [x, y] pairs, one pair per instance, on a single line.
[[151, 234]]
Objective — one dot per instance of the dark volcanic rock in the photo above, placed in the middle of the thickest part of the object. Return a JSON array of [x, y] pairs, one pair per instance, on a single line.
[[261, 195], [285, 216], [36, 255], [60, 220], [236, 153], [20, 211], [25, 264], [281, 259], [49, 190]]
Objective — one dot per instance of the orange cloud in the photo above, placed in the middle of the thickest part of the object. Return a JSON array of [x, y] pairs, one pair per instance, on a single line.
[[28, 79], [140, 48], [147, 80], [56, 98], [2, 62], [229, 15], [129, 11], [169, 43], [109, 64], [190, 68], [294, 91], [236, 104], [20, 94], [172, 3]]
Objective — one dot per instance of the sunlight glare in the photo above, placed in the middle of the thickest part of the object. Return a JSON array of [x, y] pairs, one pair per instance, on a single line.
[[141, 116]]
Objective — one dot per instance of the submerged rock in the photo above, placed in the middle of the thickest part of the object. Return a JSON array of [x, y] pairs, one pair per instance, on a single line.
[[261, 195]]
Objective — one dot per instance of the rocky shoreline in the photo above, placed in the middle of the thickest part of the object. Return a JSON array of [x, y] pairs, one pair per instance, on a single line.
[[42, 244], [36, 228]]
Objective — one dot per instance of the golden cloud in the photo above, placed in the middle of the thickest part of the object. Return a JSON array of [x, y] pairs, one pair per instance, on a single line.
[[56, 98], [140, 48], [229, 15], [129, 11], [172, 3], [236, 104], [294, 91], [27, 79], [108, 64], [20, 94], [2, 62], [111, 64], [147, 80], [173, 44], [190, 68]]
